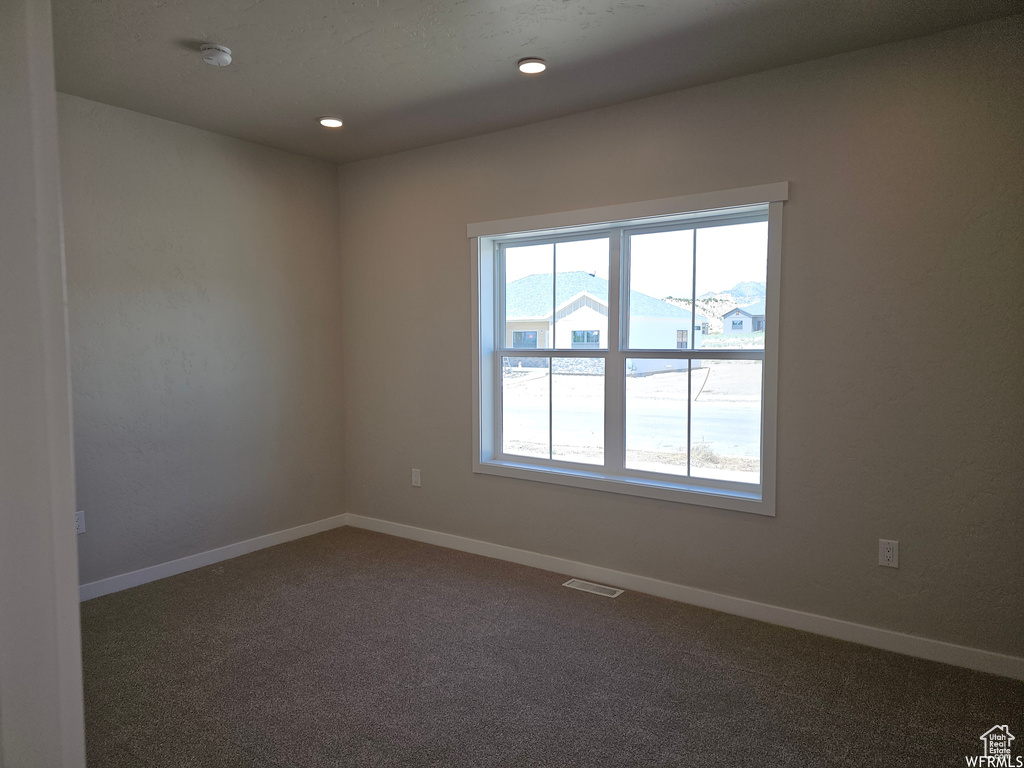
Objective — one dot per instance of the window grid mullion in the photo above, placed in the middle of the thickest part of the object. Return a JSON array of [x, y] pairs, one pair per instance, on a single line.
[[552, 345], [614, 365], [551, 409], [689, 363]]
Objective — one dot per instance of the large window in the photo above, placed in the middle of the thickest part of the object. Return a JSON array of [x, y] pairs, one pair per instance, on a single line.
[[633, 380]]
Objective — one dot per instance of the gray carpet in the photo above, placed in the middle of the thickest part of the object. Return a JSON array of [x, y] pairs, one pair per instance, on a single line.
[[352, 648]]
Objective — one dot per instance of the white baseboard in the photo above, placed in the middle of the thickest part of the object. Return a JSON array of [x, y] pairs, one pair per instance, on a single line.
[[174, 567], [910, 645]]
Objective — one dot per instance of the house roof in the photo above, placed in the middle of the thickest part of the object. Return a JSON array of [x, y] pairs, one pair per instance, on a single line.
[[754, 310], [530, 296]]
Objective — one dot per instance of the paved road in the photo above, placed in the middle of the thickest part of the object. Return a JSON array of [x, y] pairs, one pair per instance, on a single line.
[[732, 429], [729, 427]]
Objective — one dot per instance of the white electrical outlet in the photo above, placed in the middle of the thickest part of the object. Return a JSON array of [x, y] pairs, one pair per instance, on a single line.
[[416, 478], [889, 553], [80, 522]]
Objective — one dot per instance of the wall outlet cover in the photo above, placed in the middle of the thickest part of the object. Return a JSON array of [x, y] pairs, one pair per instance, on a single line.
[[889, 553]]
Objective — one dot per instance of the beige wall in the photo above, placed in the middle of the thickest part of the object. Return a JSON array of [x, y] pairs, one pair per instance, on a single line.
[[204, 301], [40, 652], [900, 410]]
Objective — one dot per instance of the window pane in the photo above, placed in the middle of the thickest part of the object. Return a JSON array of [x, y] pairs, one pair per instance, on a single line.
[[725, 434], [524, 339], [529, 296], [656, 396], [732, 274], [661, 290], [577, 409], [581, 277], [525, 391]]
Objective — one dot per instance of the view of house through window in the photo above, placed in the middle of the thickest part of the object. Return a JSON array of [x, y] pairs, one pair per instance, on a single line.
[[586, 339], [681, 363], [524, 339]]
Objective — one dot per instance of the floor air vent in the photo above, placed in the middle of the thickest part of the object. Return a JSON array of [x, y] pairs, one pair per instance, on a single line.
[[589, 586]]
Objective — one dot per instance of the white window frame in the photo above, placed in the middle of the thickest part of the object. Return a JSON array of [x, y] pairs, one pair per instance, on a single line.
[[487, 346]]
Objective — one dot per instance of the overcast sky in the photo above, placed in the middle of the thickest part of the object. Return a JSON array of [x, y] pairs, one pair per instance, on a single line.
[[661, 262]]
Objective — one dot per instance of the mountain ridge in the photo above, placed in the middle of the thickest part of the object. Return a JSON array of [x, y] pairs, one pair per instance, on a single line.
[[745, 292]]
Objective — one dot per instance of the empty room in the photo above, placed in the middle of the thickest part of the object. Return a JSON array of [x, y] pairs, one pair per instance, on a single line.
[[527, 383]]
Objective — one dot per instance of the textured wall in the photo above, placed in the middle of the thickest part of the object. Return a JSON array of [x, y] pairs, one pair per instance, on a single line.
[[203, 282], [900, 398]]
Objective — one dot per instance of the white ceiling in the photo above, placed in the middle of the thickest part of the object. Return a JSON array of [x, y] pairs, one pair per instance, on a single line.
[[408, 73]]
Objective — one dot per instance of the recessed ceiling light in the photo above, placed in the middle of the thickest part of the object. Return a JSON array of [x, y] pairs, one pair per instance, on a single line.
[[330, 122], [532, 66]]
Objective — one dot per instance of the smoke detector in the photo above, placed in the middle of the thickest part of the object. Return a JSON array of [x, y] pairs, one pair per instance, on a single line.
[[216, 55]]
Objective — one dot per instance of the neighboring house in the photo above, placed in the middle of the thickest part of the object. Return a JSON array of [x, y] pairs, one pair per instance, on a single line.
[[581, 318], [744, 319]]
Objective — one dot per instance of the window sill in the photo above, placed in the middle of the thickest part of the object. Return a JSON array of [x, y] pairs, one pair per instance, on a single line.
[[685, 493]]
